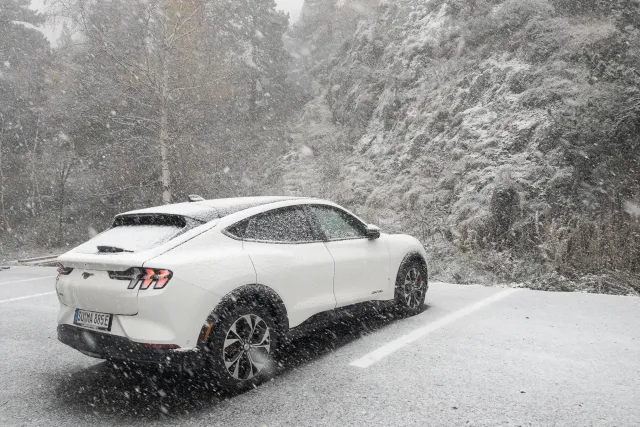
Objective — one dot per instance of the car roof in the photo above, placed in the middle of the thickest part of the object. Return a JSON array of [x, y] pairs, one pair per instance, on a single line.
[[208, 210]]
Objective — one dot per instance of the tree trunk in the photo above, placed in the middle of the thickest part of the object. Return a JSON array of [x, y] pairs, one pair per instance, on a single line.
[[64, 176], [34, 171], [164, 134], [4, 224], [331, 15], [253, 96], [60, 209], [61, 204], [254, 74]]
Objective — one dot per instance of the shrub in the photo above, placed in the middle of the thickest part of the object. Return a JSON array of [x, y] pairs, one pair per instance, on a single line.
[[509, 17], [504, 208], [581, 246], [578, 7]]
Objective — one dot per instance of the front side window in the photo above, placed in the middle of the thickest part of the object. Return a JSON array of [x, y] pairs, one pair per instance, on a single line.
[[337, 224], [280, 225]]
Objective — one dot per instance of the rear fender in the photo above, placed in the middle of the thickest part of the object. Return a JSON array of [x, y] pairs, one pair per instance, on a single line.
[[211, 261], [256, 294]]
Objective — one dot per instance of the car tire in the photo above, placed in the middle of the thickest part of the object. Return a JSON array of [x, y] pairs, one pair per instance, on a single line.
[[241, 347], [411, 286]]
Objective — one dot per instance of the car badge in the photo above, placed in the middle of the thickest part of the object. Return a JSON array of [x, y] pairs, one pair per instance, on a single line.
[[86, 275]]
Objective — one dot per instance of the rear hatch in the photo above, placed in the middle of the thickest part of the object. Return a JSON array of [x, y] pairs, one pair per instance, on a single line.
[[96, 276]]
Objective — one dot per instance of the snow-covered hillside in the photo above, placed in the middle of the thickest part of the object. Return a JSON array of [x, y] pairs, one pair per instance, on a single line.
[[451, 122]]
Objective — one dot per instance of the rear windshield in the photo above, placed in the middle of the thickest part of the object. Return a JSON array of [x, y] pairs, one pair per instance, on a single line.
[[134, 233]]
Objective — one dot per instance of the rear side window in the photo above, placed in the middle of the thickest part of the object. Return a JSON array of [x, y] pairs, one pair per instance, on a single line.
[[280, 225], [238, 230], [134, 233]]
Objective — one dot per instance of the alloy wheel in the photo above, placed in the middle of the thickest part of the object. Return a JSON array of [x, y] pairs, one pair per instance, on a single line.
[[413, 288], [246, 347]]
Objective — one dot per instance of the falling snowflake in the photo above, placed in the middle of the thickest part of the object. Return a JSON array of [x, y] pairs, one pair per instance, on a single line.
[[306, 151], [632, 208]]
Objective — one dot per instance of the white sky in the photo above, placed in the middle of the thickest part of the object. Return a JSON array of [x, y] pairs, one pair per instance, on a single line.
[[291, 6]]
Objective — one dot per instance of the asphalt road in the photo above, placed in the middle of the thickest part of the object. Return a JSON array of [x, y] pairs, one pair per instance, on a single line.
[[478, 356]]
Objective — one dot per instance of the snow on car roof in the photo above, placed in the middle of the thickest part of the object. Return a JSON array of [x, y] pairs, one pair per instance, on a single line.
[[208, 210]]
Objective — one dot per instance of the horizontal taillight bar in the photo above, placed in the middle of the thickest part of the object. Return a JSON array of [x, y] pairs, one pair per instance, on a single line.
[[144, 277]]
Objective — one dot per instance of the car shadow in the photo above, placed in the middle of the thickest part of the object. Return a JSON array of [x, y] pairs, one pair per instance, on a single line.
[[124, 392]]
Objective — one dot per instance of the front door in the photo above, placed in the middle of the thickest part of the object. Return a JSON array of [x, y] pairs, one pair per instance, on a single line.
[[361, 265]]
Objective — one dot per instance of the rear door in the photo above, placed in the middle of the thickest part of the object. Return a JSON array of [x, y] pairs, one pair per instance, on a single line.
[[361, 265], [291, 259]]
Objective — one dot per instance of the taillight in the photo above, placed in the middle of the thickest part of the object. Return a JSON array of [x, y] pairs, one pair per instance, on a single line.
[[132, 275], [145, 277], [156, 277], [63, 271]]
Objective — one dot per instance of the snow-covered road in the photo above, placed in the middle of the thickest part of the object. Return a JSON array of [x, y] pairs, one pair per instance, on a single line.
[[478, 356]]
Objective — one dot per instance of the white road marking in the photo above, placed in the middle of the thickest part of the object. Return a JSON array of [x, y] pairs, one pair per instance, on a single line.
[[28, 296], [393, 346], [27, 280]]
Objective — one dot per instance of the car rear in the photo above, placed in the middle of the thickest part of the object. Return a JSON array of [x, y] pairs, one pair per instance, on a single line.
[[115, 303]]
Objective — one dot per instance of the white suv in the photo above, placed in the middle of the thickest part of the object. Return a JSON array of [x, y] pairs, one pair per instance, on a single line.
[[228, 280]]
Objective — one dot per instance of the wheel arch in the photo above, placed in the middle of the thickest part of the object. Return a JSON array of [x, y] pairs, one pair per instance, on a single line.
[[256, 294], [414, 255]]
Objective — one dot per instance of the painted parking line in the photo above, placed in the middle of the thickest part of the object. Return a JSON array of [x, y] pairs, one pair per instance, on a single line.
[[27, 280], [26, 297], [395, 345]]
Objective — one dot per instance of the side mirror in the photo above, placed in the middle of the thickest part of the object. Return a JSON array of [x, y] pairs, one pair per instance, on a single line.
[[373, 232]]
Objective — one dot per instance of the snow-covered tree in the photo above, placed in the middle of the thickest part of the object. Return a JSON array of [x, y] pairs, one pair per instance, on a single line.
[[23, 58], [177, 72]]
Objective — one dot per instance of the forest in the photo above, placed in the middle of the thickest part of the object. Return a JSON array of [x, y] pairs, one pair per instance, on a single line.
[[138, 103], [505, 134]]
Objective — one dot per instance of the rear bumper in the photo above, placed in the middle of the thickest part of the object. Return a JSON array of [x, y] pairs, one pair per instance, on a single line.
[[105, 346], [174, 315]]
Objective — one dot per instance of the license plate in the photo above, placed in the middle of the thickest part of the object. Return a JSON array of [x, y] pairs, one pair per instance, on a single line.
[[93, 320]]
